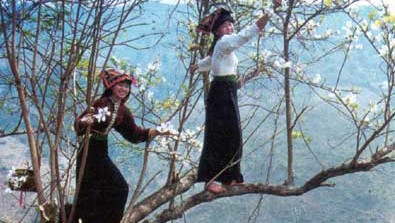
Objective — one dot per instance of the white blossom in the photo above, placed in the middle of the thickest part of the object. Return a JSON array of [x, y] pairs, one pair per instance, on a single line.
[[311, 25], [358, 46], [188, 133], [266, 54], [329, 32], [350, 99], [11, 172], [138, 71], [300, 68], [166, 127], [366, 119], [272, 30], [257, 13], [373, 108], [317, 79], [197, 144], [370, 35], [142, 84], [16, 180], [318, 36], [150, 95], [154, 66], [383, 51], [365, 25], [349, 25], [101, 114], [187, 138], [164, 142], [199, 128], [281, 63]]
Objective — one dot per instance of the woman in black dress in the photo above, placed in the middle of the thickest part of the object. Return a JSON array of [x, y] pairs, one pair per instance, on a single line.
[[104, 191], [222, 149]]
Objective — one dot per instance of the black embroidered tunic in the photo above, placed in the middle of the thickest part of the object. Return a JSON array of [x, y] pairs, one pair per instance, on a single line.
[[104, 191]]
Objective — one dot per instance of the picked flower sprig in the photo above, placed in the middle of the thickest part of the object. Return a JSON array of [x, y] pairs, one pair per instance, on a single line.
[[102, 113]]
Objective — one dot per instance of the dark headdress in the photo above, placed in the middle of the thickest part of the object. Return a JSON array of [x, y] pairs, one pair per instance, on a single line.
[[211, 22]]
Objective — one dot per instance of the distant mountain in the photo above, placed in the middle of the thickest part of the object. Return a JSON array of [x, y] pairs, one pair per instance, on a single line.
[[357, 198]]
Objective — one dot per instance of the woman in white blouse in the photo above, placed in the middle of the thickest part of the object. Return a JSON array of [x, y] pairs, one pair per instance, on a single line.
[[222, 150]]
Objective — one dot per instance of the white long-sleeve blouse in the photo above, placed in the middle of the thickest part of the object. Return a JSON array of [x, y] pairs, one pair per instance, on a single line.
[[224, 61]]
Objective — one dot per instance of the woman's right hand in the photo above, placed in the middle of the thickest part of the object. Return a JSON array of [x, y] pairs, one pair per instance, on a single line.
[[277, 3], [261, 22], [193, 68], [87, 119]]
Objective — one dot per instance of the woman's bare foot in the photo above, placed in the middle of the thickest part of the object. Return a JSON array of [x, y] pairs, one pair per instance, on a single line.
[[215, 188]]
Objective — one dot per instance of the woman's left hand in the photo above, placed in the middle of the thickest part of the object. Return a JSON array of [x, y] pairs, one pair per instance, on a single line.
[[277, 3], [152, 133]]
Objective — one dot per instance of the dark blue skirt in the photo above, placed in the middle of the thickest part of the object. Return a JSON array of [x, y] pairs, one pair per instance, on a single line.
[[222, 149]]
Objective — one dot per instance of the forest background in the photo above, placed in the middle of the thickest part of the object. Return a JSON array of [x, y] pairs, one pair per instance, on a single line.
[[317, 120]]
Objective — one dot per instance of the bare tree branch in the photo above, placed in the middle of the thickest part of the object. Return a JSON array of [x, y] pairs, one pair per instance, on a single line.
[[318, 180]]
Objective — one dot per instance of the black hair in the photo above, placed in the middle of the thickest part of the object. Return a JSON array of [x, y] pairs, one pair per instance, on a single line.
[[224, 16], [211, 50]]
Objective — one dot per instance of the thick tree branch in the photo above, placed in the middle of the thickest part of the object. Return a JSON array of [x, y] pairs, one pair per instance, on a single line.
[[319, 180], [160, 197]]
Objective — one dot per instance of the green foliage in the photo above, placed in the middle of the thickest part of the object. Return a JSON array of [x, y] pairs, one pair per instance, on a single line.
[[300, 135], [162, 86]]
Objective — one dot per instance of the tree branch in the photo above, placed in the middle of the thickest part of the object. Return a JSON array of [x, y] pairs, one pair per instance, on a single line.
[[160, 197], [319, 180]]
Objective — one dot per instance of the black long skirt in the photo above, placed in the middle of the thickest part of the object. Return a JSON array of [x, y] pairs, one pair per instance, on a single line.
[[104, 191], [222, 148]]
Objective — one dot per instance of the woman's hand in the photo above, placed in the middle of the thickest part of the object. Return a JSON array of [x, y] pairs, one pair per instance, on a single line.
[[261, 22], [152, 133], [87, 119], [193, 68], [277, 3]]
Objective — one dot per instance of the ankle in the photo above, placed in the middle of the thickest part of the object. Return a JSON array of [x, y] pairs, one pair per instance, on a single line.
[[235, 183]]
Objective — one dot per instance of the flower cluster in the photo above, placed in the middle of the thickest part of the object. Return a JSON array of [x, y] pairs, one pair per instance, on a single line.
[[166, 127], [188, 137], [377, 28], [351, 101], [15, 180]]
